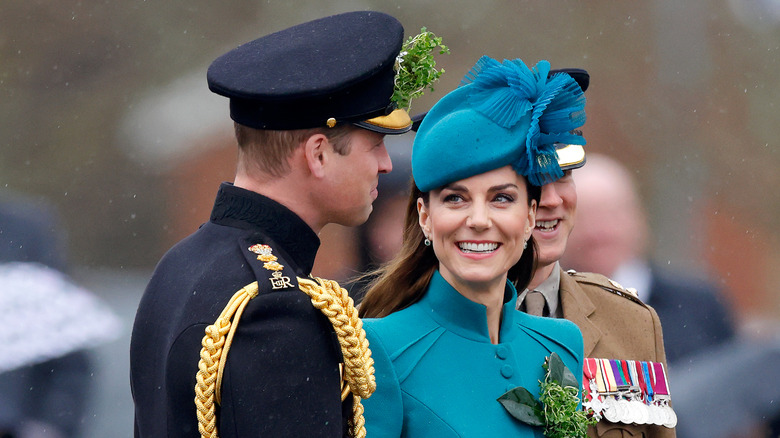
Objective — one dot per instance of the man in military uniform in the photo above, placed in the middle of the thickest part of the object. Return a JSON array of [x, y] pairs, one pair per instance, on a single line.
[[614, 323], [311, 105]]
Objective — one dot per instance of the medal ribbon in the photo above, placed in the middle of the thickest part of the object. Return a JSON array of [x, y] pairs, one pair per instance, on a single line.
[[648, 381], [627, 373], [589, 371], [610, 376], [601, 383], [661, 387], [620, 379], [590, 368], [640, 378], [636, 382], [652, 377]]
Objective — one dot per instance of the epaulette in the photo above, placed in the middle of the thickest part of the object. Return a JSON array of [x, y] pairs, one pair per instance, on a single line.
[[605, 283]]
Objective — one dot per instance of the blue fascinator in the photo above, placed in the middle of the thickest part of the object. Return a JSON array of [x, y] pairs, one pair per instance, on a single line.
[[504, 113]]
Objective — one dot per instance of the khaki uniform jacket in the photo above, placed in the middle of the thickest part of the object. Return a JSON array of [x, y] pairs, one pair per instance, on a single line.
[[614, 325]]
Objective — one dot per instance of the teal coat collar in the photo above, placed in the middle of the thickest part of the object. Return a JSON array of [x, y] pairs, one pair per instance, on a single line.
[[464, 317]]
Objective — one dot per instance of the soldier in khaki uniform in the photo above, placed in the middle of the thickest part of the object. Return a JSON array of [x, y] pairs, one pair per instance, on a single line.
[[615, 324]]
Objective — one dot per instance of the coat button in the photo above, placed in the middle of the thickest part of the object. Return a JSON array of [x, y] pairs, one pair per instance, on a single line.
[[507, 371], [501, 352]]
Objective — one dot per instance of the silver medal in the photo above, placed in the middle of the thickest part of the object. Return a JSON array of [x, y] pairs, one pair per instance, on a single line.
[[610, 410]]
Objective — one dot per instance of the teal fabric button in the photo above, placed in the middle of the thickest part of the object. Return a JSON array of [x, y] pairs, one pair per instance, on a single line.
[[502, 352], [507, 371]]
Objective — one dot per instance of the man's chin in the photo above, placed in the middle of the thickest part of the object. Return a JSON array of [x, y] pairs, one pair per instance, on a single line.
[[356, 218], [548, 257]]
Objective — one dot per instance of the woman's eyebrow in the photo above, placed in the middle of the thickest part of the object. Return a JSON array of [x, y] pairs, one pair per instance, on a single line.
[[503, 187]]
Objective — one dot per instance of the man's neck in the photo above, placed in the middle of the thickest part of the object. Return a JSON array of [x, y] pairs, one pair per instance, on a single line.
[[542, 273], [283, 190]]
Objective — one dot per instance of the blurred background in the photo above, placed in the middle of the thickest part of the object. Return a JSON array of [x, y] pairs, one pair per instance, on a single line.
[[106, 117]]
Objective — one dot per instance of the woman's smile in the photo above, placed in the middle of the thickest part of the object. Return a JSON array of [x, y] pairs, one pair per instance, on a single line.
[[474, 247]]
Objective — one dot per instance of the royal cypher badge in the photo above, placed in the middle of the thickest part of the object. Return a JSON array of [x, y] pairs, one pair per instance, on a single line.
[[265, 255]]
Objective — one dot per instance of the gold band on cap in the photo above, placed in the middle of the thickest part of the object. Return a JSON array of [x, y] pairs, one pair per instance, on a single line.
[[570, 156], [398, 119]]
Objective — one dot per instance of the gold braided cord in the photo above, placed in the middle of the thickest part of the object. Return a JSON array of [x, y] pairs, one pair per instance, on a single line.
[[213, 356], [357, 424], [334, 302]]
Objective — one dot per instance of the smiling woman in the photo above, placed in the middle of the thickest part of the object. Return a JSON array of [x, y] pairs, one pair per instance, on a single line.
[[447, 341], [479, 228]]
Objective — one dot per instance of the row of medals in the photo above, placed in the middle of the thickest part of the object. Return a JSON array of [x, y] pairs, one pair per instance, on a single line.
[[627, 407]]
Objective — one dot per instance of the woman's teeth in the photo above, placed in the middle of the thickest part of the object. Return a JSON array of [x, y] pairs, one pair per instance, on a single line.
[[477, 247]]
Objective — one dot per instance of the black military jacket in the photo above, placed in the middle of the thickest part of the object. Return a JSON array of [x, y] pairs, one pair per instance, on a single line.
[[282, 373]]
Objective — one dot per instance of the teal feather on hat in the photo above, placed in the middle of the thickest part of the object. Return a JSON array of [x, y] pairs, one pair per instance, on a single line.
[[505, 92], [504, 113]]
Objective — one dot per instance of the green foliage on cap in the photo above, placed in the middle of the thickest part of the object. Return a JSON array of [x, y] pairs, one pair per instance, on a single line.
[[417, 68]]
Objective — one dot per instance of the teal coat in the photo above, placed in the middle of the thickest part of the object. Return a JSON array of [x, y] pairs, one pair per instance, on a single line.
[[439, 376]]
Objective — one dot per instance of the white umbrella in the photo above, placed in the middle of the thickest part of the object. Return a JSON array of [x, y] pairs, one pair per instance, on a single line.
[[44, 315]]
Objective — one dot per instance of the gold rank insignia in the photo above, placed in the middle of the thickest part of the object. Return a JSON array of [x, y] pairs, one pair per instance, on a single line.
[[265, 255]]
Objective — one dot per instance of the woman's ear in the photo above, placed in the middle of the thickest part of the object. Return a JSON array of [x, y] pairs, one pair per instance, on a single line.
[[531, 220], [316, 150], [424, 217]]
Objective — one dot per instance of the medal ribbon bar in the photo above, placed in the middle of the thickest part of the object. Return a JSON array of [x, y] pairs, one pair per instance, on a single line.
[[628, 391]]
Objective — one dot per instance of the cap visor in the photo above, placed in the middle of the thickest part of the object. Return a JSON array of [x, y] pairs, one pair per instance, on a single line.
[[570, 156], [397, 122]]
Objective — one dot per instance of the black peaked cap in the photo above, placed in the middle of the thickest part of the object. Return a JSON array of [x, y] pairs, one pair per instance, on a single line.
[[339, 67], [579, 75]]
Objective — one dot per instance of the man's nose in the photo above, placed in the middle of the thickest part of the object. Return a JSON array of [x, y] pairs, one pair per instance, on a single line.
[[385, 163], [550, 197]]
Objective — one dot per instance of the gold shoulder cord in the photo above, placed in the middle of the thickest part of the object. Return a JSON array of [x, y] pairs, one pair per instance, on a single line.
[[334, 302], [212, 355]]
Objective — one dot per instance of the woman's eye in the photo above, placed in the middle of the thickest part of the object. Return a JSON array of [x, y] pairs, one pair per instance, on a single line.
[[503, 197], [453, 198]]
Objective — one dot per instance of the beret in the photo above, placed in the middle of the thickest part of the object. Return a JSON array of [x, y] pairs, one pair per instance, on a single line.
[[337, 69], [502, 114]]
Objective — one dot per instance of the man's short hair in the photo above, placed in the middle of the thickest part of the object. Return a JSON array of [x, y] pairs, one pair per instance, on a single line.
[[269, 150]]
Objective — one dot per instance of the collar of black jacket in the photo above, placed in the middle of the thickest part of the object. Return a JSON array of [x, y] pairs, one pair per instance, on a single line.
[[241, 208]]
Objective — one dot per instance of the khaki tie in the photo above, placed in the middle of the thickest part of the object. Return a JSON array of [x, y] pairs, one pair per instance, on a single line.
[[534, 303]]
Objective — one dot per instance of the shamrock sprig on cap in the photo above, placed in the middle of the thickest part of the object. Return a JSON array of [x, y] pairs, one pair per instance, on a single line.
[[416, 67]]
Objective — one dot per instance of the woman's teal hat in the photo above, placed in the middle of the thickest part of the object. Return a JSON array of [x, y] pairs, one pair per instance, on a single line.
[[502, 114]]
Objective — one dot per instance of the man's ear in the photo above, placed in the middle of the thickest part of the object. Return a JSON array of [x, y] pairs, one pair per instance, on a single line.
[[316, 152]]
